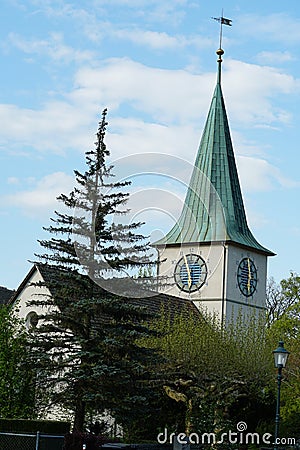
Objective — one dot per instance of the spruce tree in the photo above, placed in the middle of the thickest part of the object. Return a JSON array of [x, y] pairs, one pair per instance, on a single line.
[[85, 345]]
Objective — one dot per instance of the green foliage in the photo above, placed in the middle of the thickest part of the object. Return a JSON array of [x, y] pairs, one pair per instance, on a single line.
[[283, 305], [286, 327], [32, 426], [200, 344], [16, 375], [214, 377]]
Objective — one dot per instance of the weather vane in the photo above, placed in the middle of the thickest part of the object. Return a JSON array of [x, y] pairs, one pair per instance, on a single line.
[[222, 22]]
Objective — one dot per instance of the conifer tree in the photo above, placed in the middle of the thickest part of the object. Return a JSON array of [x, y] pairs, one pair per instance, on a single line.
[[85, 343]]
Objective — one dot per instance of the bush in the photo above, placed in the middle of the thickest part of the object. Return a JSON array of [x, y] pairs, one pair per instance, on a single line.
[[32, 426]]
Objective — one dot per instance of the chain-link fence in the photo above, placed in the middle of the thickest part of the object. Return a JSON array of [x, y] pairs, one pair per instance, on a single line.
[[27, 441]]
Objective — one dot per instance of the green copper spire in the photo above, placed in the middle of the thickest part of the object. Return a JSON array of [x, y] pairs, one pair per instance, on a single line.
[[213, 209]]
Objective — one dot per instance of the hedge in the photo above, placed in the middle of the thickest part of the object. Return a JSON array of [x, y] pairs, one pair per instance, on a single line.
[[32, 426]]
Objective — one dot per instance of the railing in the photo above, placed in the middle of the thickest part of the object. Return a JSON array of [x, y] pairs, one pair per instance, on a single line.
[[30, 441]]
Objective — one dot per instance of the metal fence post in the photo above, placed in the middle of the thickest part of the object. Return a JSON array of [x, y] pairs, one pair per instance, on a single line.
[[37, 441]]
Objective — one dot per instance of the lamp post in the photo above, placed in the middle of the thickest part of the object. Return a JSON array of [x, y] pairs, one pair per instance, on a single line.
[[280, 359]]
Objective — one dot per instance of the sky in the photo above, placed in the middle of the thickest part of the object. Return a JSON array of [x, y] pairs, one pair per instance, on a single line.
[[152, 64]]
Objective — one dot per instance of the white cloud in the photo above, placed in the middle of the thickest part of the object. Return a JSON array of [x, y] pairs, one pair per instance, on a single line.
[[277, 27], [251, 89], [42, 198], [159, 92], [172, 11], [259, 175], [53, 47], [255, 219], [150, 110], [148, 3], [159, 40], [274, 58], [57, 127], [182, 96], [153, 39], [99, 23], [133, 136], [13, 180], [168, 96]]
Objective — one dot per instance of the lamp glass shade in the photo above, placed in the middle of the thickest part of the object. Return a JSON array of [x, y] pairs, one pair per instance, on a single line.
[[280, 355]]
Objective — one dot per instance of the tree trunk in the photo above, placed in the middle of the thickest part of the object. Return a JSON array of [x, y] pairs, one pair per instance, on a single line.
[[79, 415]]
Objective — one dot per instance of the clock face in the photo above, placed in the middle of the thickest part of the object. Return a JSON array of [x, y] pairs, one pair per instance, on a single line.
[[190, 273], [247, 277]]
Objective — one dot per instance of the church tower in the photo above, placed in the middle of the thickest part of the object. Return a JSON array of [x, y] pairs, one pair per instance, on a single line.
[[210, 255]]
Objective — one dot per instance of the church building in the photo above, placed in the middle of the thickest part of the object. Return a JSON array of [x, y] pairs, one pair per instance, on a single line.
[[210, 255]]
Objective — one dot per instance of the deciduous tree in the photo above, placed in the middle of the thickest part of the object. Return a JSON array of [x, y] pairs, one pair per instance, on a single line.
[[214, 377], [17, 391], [286, 326]]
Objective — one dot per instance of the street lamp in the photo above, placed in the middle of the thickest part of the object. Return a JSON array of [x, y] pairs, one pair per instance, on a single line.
[[280, 359]]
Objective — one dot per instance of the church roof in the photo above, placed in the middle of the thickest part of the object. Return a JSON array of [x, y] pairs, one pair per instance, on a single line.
[[213, 209], [5, 295], [153, 303]]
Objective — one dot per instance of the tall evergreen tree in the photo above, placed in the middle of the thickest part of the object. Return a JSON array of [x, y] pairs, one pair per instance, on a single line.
[[85, 344]]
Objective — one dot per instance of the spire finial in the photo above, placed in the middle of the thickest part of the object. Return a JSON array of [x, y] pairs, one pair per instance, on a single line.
[[220, 51]]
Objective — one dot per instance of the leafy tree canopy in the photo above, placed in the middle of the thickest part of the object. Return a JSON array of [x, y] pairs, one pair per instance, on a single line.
[[284, 324], [16, 376], [214, 377]]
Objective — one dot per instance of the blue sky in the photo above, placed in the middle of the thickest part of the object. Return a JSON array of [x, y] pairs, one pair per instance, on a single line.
[[152, 63]]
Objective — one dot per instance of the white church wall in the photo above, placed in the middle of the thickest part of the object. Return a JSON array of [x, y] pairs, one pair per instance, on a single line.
[[220, 293], [29, 293], [234, 256], [213, 257]]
